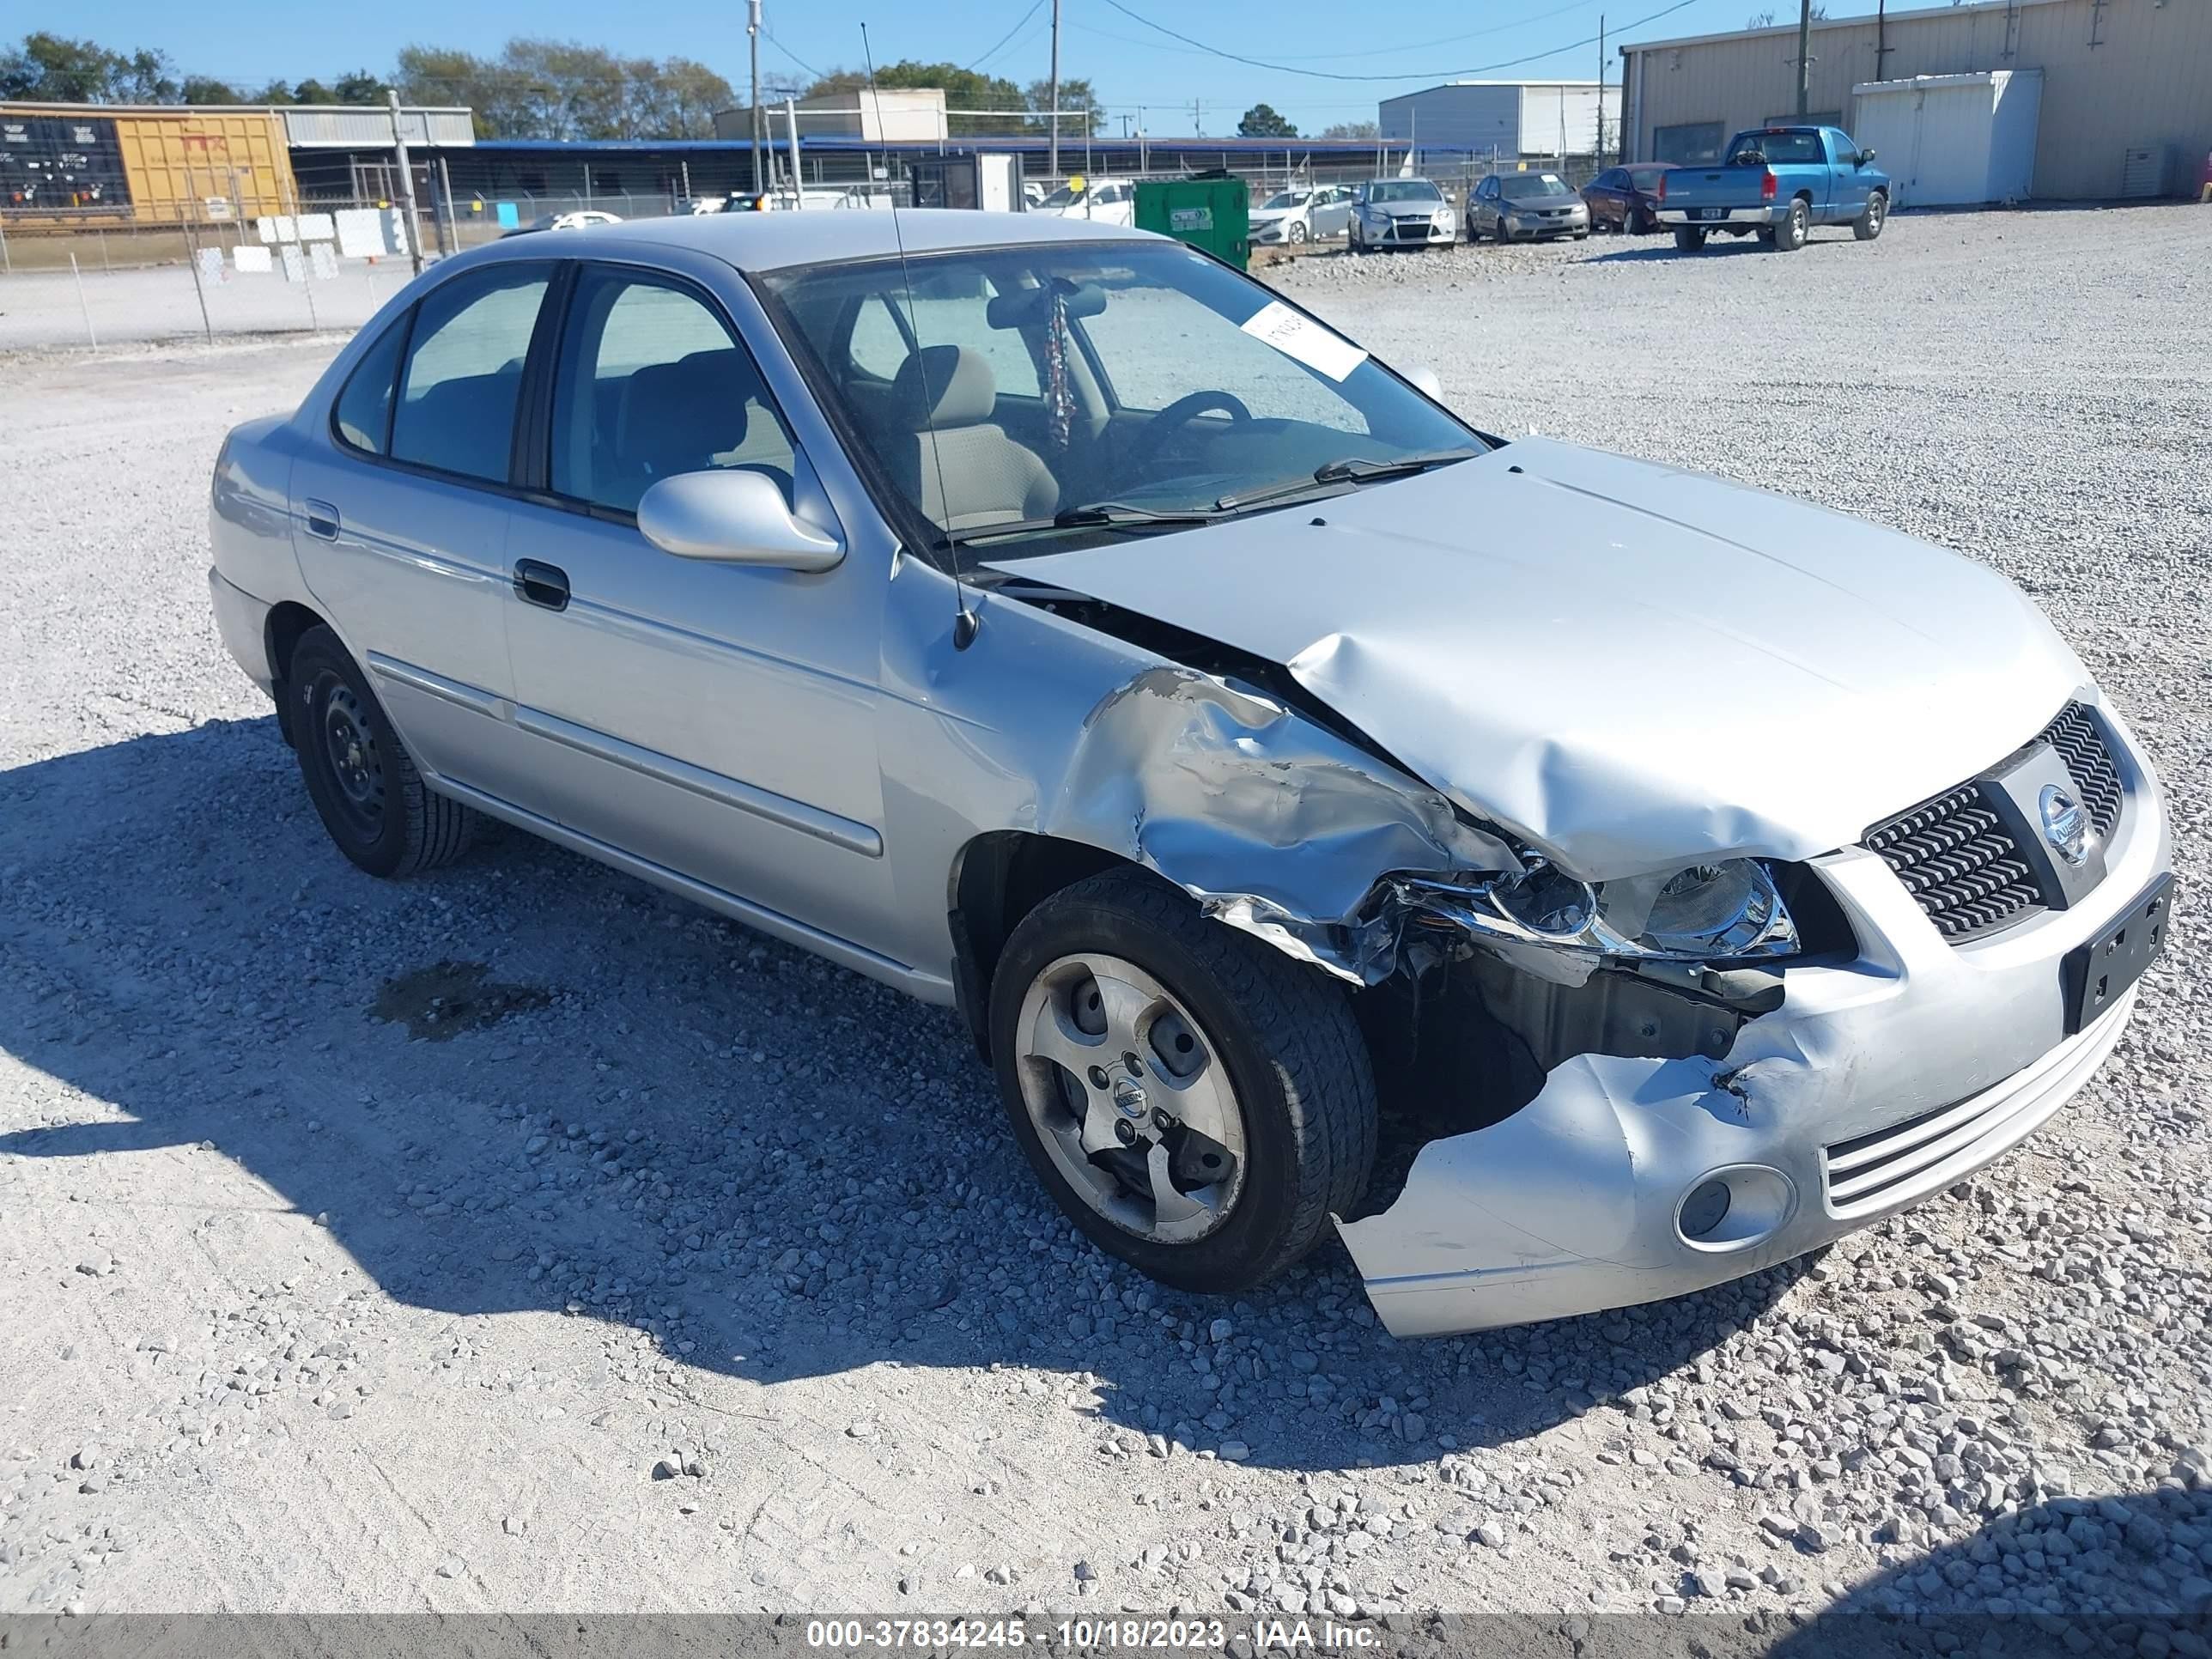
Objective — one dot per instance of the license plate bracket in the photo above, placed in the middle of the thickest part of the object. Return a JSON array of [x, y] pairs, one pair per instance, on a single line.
[[1710, 212], [2094, 975]]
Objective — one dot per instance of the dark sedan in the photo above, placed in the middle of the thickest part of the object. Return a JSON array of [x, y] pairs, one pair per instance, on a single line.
[[1622, 198]]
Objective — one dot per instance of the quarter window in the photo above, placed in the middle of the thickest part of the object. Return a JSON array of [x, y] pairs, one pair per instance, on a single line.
[[364, 406], [652, 384], [464, 373]]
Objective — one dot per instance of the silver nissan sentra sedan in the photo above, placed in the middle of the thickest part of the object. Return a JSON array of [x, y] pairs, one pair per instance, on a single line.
[[1056, 624]]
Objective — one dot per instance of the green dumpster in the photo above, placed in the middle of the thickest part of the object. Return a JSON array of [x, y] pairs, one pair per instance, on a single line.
[[1211, 211]]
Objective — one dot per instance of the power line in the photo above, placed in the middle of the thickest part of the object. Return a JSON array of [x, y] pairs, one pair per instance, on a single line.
[[1017, 28], [1412, 74], [793, 56]]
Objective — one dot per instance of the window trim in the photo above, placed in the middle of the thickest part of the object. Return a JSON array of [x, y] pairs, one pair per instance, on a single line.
[[554, 270], [403, 328], [538, 463]]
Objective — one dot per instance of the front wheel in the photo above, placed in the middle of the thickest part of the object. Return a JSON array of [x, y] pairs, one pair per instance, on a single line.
[[1689, 239], [1789, 235], [1196, 1103], [1296, 233], [1867, 225]]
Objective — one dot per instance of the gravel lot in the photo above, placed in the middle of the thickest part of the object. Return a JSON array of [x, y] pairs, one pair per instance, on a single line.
[[665, 1268]]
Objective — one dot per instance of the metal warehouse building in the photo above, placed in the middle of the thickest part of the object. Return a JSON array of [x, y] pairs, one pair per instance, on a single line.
[[2122, 103], [1511, 118]]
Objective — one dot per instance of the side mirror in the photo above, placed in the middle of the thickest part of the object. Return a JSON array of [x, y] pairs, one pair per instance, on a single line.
[[1865, 155], [733, 517], [1423, 379]]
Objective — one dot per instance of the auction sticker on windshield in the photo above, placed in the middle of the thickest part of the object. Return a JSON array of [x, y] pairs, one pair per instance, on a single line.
[[1300, 337]]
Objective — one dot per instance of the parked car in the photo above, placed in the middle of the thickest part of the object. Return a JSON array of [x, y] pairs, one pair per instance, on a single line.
[[1158, 717], [1101, 201], [1389, 213], [576, 218], [1304, 215], [1777, 184], [1532, 207], [1625, 198]]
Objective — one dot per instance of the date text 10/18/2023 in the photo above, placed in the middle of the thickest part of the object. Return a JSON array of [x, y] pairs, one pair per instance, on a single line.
[[1131, 1634]]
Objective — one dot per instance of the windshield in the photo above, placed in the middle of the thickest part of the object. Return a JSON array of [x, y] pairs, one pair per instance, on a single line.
[[1527, 188], [1404, 190], [1010, 386], [1060, 197], [1288, 199]]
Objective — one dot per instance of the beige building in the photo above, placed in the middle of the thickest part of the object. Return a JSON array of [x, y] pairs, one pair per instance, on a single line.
[[2126, 85], [909, 114]]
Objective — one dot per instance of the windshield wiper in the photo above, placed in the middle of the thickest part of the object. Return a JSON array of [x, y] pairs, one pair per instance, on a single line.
[[1107, 515], [1351, 469]]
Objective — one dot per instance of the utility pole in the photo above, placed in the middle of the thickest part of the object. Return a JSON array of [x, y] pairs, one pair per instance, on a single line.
[[1597, 150], [1804, 58], [1052, 158], [752, 32], [412, 232]]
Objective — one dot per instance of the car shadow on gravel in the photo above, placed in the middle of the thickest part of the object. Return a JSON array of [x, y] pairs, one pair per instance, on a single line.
[[777, 1168], [2124, 1575]]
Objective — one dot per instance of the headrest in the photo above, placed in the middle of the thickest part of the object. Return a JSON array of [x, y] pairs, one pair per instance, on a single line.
[[961, 390], [692, 407]]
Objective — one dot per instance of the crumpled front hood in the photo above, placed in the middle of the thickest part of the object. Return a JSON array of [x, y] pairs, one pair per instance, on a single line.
[[1625, 665]]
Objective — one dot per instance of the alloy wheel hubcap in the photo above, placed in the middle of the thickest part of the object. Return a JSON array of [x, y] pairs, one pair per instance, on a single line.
[[1130, 1099]]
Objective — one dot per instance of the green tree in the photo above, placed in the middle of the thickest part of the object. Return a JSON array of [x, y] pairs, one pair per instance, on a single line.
[[358, 88], [205, 89], [46, 68], [1260, 121], [1077, 100], [1353, 129]]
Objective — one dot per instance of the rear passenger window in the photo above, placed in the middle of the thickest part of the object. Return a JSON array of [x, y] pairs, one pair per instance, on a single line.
[[364, 406], [464, 373], [652, 384]]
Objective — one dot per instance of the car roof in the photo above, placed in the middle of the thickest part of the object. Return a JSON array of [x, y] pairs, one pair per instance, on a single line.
[[775, 241]]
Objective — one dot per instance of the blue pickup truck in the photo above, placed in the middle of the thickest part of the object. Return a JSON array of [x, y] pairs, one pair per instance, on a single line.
[[1777, 182]]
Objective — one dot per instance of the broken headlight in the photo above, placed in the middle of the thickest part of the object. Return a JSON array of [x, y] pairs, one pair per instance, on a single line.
[[1728, 910]]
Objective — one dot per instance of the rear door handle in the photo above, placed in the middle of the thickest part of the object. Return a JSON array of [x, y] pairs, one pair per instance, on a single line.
[[538, 583], [322, 519]]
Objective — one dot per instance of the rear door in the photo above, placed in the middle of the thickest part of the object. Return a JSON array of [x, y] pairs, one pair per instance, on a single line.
[[402, 516]]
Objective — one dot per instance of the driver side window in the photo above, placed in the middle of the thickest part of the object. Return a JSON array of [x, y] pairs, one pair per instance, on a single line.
[[1151, 351]]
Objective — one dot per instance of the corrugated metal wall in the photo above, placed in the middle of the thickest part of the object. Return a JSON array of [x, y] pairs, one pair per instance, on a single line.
[[1471, 117], [344, 125], [2118, 74]]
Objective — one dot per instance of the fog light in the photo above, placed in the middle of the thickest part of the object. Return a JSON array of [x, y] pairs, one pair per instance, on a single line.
[[1704, 1209]]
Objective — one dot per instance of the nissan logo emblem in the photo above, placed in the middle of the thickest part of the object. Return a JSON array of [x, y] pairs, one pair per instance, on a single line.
[[2065, 825]]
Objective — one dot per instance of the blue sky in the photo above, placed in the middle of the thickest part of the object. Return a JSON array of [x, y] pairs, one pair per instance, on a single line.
[[1415, 41]]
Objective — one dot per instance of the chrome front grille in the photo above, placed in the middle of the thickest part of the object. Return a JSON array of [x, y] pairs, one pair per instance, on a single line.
[[1959, 861]]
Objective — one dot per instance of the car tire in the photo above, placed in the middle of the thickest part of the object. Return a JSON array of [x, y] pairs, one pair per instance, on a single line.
[[1689, 239], [1160, 980], [1789, 235], [1296, 231], [1631, 222], [363, 782], [1867, 225]]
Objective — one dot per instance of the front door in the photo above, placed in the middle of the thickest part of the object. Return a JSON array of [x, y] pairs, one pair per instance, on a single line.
[[715, 720]]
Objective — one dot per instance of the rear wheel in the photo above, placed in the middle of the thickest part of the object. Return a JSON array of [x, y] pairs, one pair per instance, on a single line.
[[1196, 1103], [1867, 225], [1789, 235], [365, 786], [1689, 239]]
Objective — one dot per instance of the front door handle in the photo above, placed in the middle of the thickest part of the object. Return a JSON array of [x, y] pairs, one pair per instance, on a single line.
[[539, 583], [322, 520]]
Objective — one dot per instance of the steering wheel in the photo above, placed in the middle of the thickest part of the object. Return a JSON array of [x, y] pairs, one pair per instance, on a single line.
[[1178, 414]]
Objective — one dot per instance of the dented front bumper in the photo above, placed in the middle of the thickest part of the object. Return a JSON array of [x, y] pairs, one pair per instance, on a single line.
[[1876, 1083]]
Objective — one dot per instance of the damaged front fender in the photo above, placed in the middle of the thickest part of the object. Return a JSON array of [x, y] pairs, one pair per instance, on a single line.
[[1274, 825]]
